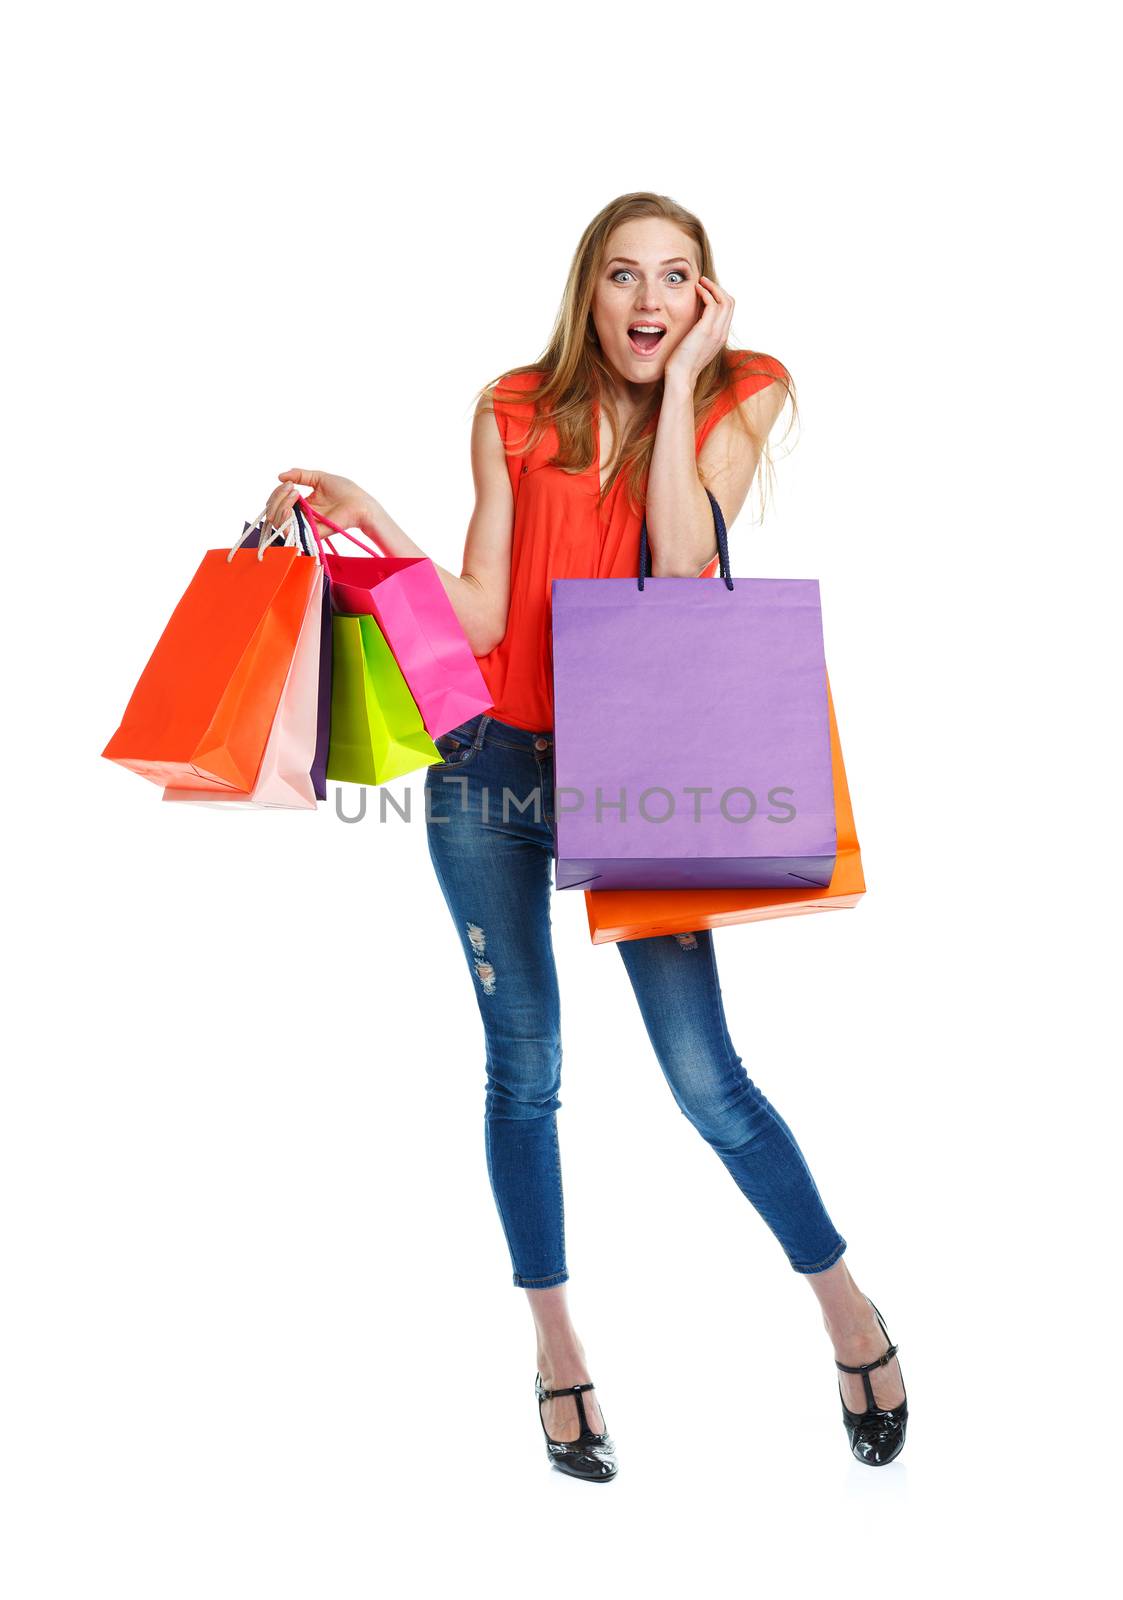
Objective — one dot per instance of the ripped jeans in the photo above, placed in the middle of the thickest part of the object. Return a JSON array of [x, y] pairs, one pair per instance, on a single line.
[[493, 856]]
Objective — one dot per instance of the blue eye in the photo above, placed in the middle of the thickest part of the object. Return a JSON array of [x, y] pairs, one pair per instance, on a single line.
[[677, 271]]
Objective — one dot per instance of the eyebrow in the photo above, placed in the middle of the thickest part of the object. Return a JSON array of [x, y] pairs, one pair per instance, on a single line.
[[628, 262]]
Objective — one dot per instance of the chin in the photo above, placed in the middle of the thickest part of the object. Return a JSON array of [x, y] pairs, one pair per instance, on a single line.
[[637, 371]]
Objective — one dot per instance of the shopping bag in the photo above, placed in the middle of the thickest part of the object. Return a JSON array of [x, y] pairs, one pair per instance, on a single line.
[[202, 710], [323, 702], [617, 914], [691, 733], [376, 727], [407, 599], [323, 694], [284, 777]]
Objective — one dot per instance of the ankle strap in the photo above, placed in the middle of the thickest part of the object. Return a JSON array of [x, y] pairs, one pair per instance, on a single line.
[[868, 1366], [574, 1388]]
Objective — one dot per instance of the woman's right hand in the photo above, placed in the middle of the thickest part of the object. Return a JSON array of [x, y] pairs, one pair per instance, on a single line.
[[338, 499]]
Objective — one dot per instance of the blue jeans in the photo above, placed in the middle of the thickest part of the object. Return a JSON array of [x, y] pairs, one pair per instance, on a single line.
[[490, 821]]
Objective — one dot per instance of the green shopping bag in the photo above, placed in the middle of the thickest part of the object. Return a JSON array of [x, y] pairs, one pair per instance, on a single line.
[[376, 729]]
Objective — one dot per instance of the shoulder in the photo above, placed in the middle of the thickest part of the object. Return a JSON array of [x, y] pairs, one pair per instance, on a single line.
[[751, 371], [521, 432], [508, 392], [758, 384]]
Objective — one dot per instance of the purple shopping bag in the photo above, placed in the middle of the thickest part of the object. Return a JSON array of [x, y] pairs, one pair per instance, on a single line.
[[691, 732]]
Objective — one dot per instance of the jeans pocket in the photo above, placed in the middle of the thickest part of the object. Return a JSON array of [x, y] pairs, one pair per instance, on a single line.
[[458, 744]]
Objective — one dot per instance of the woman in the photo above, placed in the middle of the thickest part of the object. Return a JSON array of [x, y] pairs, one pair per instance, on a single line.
[[636, 400]]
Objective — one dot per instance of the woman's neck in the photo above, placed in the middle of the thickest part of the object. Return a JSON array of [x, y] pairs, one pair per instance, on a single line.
[[628, 397]]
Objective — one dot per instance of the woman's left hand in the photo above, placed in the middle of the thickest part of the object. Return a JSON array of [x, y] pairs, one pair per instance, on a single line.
[[706, 337]]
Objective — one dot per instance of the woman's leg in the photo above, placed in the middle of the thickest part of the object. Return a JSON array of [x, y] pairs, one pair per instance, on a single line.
[[495, 872], [561, 1361], [856, 1336], [676, 983], [496, 884]]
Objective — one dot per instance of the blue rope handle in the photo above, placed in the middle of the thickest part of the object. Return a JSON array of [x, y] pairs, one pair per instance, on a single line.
[[722, 547]]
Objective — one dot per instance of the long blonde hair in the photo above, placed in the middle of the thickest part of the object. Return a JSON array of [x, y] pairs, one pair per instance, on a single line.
[[574, 370]]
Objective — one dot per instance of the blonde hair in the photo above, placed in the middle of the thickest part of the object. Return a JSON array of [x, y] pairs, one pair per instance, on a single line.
[[574, 369]]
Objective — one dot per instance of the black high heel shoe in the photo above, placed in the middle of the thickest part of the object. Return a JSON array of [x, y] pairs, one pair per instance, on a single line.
[[591, 1455], [876, 1436]]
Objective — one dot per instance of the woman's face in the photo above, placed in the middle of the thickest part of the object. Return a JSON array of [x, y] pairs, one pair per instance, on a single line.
[[647, 278]]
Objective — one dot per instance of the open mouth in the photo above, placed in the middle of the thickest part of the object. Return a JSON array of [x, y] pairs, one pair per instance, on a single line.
[[645, 338]]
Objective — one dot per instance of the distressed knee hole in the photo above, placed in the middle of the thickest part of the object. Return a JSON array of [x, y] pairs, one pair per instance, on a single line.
[[687, 941], [484, 970]]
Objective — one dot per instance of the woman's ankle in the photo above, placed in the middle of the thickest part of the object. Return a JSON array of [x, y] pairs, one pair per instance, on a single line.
[[562, 1363], [845, 1320]]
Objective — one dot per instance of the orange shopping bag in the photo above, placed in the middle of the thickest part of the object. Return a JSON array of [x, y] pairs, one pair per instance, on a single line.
[[617, 914], [202, 711]]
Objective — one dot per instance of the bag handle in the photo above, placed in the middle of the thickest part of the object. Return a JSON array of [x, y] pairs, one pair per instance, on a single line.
[[722, 547], [312, 517], [288, 533], [304, 534]]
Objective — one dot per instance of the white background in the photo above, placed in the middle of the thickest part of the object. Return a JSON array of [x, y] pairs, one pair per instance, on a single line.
[[259, 1336]]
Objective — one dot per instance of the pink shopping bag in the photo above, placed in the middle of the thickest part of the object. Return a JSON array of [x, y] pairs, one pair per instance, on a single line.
[[407, 599]]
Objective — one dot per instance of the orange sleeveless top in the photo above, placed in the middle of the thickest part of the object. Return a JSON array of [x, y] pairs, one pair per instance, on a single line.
[[560, 532]]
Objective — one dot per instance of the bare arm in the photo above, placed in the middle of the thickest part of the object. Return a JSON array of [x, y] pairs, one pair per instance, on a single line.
[[680, 520], [481, 594]]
